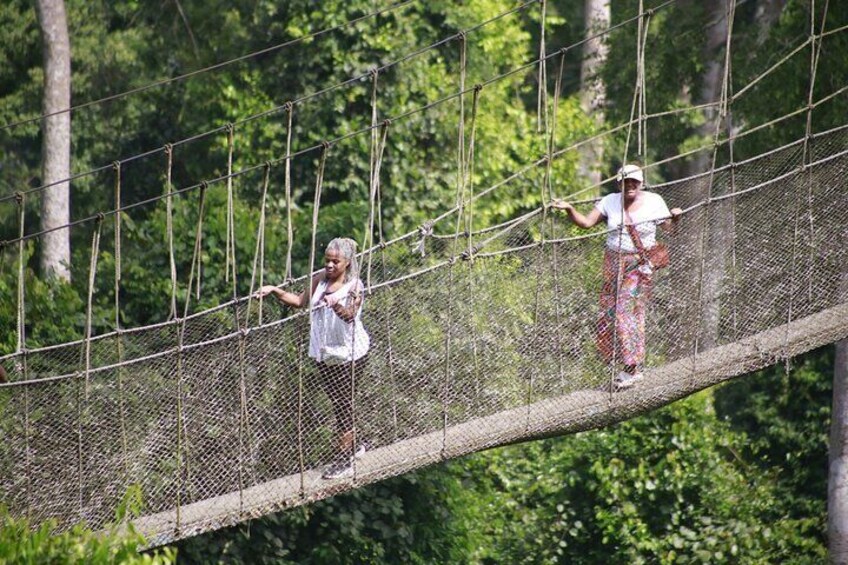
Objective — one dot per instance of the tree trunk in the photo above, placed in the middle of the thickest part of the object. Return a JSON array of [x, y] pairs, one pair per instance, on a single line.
[[766, 15], [837, 480], [56, 133], [596, 16]]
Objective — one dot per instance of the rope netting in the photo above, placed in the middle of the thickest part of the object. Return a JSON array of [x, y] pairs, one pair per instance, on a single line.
[[481, 335], [482, 340]]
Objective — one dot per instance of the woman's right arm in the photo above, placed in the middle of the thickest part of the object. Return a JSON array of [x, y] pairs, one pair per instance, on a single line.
[[588, 221], [286, 297]]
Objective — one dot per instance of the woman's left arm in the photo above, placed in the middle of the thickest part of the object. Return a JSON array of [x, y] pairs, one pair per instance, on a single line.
[[347, 313], [668, 225]]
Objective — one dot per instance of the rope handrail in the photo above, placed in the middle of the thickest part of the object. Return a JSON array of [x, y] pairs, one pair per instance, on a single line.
[[558, 153], [600, 233], [214, 67]]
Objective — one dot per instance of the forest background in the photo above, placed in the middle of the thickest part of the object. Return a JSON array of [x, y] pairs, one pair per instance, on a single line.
[[734, 474]]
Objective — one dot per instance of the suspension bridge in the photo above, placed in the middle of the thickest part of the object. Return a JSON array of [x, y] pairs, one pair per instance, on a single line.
[[481, 336]]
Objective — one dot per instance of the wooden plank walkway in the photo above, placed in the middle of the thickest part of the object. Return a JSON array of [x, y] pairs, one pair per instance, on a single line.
[[570, 413]]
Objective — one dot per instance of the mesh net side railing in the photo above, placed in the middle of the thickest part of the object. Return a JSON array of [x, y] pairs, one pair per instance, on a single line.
[[218, 419]]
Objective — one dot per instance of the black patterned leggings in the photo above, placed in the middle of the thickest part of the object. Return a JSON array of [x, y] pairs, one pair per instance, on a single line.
[[338, 382]]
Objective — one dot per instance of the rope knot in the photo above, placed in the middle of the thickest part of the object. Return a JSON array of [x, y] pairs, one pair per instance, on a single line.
[[462, 35], [382, 245], [231, 127], [169, 149], [267, 165], [373, 72], [326, 145], [469, 253], [289, 106], [650, 12], [477, 88], [101, 216], [563, 50], [425, 230], [19, 197], [387, 122], [203, 186], [116, 165]]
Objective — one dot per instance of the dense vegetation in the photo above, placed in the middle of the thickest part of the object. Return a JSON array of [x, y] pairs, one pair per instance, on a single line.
[[732, 475]]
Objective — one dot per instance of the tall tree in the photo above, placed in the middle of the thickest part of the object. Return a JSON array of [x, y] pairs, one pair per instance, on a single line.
[[837, 477], [56, 137], [596, 17], [837, 486]]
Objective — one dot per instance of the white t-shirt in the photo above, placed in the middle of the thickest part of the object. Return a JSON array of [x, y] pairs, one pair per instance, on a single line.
[[332, 339], [651, 212]]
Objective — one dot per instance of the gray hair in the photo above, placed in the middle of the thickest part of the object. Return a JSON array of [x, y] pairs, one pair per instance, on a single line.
[[347, 248]]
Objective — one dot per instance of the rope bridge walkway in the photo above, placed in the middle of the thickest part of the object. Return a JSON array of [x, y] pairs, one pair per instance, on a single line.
[[479, 336], [225, 420]]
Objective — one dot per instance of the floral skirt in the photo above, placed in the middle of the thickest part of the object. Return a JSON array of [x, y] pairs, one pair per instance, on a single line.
[[621, 320]]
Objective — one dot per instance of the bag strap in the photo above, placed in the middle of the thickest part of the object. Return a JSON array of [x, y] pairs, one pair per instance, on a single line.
[[634, 234]]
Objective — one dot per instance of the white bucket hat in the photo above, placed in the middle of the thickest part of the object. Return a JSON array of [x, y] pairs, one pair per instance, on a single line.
[[630, 172]]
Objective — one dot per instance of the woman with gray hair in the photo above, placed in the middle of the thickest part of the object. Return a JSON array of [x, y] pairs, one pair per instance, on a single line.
[[338, 341]]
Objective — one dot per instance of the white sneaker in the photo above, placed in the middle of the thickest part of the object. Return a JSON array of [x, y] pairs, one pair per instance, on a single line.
[[339, 470], [623, 380], [360, 450]]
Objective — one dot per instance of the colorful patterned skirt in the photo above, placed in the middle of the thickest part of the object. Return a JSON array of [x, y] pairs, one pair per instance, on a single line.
[[621, 320]]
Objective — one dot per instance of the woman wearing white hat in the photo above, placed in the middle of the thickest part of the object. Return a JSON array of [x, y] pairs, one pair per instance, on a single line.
[[632, 232]]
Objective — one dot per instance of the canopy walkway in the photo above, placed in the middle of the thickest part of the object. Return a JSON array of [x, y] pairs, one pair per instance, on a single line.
[[219, 418], [480, 337]]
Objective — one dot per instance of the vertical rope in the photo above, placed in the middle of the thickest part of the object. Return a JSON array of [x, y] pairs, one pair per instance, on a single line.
[[542, 98], [259, 254], [316, 205], [375, 196], [460, 153], [21, 346], [552, 145], [169, 226], [643, 90], [289, 229], [815, 53], [196, 259], [182, 437], [389, 308], [468, 195], [119, 341], [472, 283], [116, 166], [82, 399], [230, 248], [640, 85], [377, 135]]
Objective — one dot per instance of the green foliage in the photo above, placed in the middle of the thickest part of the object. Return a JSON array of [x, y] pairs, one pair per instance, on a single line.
[[419, 518], [673, 486], [786, 414], [22, 543]]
